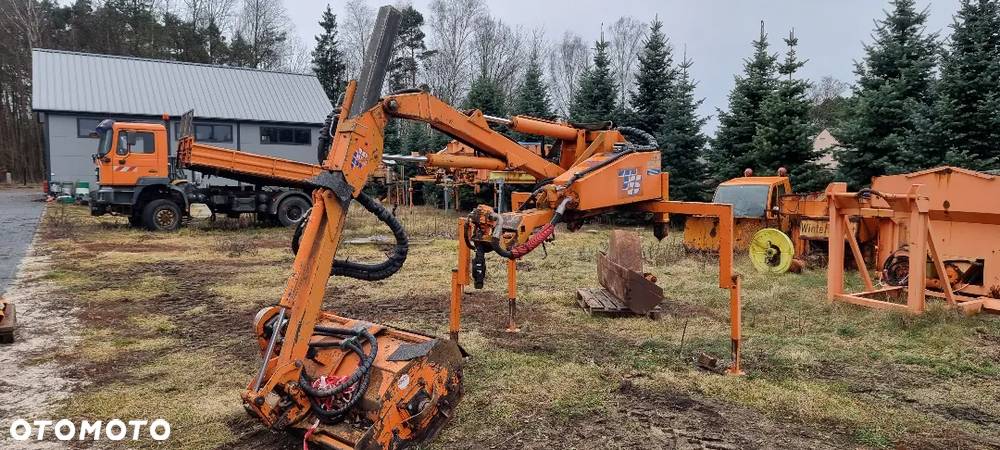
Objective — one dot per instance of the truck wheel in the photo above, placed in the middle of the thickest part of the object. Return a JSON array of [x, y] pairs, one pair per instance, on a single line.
[[161, 215], [291, 210]]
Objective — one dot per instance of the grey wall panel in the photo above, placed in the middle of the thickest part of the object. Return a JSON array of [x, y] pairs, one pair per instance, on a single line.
[[70, 155]]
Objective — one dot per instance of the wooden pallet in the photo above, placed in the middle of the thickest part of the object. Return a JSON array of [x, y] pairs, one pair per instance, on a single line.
[[599, 302]]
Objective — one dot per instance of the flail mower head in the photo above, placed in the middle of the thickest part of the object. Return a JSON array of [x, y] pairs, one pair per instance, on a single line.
[[368, 386]]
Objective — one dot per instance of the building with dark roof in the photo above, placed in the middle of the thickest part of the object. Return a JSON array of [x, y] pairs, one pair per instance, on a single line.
[[257, 111]]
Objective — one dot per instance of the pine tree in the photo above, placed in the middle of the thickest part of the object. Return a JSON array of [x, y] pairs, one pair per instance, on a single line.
[[894, 89], [784, 134], [654, 82], [532, 96], [732, 148], [409, 52], [595, 99], [485, 95], [682, 143], [240, 53], [967, 109], [327, 59]]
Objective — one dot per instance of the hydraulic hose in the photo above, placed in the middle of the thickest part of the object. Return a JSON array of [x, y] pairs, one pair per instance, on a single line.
[[650, 144], [367, 271], [358, 379], [534, 241], [534, 191]]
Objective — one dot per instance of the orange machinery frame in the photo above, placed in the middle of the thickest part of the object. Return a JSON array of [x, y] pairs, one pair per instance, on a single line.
[[661, 208], [276, 394], [890, 209]]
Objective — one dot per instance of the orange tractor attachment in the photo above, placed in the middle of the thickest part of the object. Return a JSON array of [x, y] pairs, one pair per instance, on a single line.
[[931, 240], [459, 165], [570, 198], [346, 383]]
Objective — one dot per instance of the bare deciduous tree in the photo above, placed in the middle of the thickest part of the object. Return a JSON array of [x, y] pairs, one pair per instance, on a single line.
[[828, 88], [296, 56], [265, 26], [359, 19], [201, 12], [626, 36], [568, 58], [452, 26], [499, 51]]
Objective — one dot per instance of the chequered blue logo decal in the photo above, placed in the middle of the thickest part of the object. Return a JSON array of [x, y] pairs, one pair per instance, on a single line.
[[631, 181], [359, 158]]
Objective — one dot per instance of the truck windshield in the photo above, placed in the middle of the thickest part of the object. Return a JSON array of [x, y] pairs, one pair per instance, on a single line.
[[748, 200], [104, 145]]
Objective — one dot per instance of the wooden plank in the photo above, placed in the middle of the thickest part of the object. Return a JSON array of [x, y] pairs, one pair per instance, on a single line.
[[871, 303]]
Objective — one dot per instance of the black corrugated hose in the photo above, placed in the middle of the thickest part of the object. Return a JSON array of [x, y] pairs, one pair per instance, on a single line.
[[367, 271], [359, 378]]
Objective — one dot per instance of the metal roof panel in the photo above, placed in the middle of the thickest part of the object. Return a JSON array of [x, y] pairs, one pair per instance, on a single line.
[[84, 82]]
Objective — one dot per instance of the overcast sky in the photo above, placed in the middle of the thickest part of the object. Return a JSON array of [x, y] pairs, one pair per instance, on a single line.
[[716, 33]]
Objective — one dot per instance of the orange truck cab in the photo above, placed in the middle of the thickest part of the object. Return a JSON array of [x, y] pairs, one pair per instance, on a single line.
[[139, 180], [755, 206]]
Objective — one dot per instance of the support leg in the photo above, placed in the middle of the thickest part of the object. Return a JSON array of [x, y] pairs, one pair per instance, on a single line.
[[512, 296], [835, 259], [459, 278], [736, 332], [918, 262]]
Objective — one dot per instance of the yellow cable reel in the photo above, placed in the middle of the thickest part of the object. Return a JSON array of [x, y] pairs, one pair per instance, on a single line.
[[771, 251]]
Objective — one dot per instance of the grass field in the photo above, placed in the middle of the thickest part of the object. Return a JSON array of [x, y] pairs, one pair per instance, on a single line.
[[166, 325]]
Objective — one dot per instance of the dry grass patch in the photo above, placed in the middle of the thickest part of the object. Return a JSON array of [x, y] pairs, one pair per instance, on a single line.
[[198, 413]]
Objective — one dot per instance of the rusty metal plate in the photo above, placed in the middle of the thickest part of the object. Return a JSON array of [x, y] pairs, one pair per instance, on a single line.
[[625, 250], [632, 288]]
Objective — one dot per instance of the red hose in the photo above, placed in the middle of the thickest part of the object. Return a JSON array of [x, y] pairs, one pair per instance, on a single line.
[[533, 242]]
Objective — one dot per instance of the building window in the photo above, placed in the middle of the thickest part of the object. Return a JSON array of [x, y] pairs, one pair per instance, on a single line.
[[204, 132], [87, 128], [285, 135]]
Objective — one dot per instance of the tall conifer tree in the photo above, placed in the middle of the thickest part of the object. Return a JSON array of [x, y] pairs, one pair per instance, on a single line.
[[893, 93], [732, 148]]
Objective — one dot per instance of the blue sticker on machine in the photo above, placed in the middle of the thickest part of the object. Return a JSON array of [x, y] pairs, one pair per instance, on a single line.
[[631, 181], [359, 158]]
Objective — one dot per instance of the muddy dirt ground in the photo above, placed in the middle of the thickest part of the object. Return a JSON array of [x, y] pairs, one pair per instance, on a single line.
[[130, 323]]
